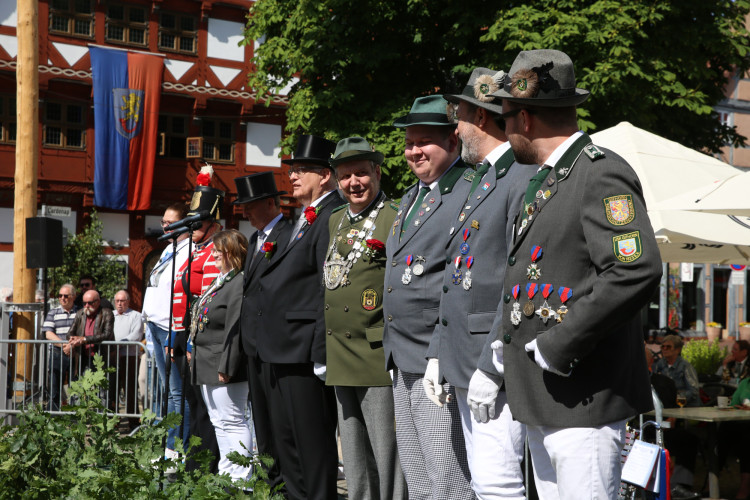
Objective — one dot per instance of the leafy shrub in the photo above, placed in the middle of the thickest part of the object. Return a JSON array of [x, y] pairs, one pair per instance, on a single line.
[[705, 356], [83, 456]]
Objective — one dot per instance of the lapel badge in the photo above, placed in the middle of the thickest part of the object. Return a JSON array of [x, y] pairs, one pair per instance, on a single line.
[[561, 312], [550, 181], [431, 200], [486, 186], [462, 217], [475, 224]]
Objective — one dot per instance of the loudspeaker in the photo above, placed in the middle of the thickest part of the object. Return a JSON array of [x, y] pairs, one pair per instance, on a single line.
[[44, 242]]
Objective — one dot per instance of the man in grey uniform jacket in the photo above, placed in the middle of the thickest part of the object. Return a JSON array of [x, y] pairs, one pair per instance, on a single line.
[[429, 438], [472, 286], [582, 264]]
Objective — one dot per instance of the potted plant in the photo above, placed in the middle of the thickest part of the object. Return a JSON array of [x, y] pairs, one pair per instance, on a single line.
[[705, 356], [713, 330]]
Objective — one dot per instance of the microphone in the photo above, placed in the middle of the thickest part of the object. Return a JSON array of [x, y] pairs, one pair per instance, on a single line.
[[173, 234], [199, 216]]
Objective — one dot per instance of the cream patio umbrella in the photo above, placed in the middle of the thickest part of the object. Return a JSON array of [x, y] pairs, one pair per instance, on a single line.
[[667, 169], [727, 196]]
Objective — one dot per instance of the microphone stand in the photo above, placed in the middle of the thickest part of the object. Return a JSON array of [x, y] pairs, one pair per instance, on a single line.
[[186, 320]]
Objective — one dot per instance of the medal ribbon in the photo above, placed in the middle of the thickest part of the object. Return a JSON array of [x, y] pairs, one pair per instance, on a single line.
[[409, 259], [546, 290], [536, 253], [466, 234], [565, 293], [469, 261], [531, 289], [515, 290], [457, 261]]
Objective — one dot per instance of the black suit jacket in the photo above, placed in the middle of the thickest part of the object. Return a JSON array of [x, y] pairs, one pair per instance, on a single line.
[[288, 296], [255, 264]]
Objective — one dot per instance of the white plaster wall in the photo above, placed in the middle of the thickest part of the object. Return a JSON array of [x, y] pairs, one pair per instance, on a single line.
[[262, 145], [115, 229], [6, 264], [223, 37], [8, 13]]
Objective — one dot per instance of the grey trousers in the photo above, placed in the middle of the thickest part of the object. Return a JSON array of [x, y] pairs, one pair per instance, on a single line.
[[368, 442]]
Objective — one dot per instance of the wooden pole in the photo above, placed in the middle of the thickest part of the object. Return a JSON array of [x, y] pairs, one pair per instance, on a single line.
[[27, 159]]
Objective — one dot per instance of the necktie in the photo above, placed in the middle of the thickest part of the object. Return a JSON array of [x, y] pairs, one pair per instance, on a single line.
[[261, 240], [297, 226], [482, 169], [415, 207]]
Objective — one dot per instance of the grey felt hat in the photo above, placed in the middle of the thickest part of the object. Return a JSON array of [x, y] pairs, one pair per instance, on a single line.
[[483, 82], [355, 148], [550, 72]]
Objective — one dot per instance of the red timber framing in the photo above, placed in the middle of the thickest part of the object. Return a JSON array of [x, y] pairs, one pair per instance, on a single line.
[[201, 101]]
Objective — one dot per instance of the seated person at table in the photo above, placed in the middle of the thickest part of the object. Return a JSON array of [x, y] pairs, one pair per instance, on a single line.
[[678, 369], [734, 438], [735, 366], [681, 443]]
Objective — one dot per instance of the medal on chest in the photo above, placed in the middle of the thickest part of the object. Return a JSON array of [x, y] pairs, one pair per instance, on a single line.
[[545, 312], [418, 268], [515, 314], [467, 275], [528, 307], [457, 275], [565, 293], [533, 272], [406, 277]]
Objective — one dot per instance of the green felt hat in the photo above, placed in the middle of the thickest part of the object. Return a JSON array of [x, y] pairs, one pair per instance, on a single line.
[[354, 148], [428, 110]]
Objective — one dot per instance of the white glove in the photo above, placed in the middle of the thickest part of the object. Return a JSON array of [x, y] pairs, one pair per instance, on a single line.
[[319, 369], [431, 382], [542, 361], [483, 389], [497, 357]]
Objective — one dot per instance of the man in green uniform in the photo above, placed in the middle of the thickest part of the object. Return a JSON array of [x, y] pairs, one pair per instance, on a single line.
[[354, 270]]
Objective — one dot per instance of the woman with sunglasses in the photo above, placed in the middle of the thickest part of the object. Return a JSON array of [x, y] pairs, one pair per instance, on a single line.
[[216, 363]]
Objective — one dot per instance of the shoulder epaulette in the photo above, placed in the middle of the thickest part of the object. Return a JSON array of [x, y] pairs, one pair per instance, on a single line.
[[341, 207], [593, 152]]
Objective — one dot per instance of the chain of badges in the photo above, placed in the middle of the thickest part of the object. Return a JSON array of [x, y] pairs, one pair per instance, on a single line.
[[336, 267]]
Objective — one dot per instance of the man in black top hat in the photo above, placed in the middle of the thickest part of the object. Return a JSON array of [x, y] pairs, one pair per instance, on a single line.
[[284, 298]]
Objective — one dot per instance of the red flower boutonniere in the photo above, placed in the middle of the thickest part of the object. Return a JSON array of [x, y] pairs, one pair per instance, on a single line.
[[269, 247], [311, 213], [375, 248]]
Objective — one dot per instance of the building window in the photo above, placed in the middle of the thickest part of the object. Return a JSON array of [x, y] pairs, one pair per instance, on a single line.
[[7, 119], [178, 33], [64, 126], [127, 24], [172, 133], [72, 17], [218, 140]]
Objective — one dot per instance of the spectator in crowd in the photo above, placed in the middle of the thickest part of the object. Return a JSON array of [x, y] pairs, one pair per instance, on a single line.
[[128, 327], [735, 367], [92, 326], [674, 366], [353, 273], [430, 438], [156, 308], [217, 364], [86, 283], [56, 327]]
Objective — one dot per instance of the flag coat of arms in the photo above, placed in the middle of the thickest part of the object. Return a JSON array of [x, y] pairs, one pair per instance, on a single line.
[[127, 89]]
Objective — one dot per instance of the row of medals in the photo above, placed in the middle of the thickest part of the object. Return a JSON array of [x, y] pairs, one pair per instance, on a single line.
[[336, 268], [545, 312]]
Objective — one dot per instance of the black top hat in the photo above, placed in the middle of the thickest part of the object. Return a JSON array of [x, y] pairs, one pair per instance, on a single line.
[[207, 198], [542, 78], [313, 149], [255, 187]]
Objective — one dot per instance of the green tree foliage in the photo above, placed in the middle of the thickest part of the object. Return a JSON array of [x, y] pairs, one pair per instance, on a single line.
[[84, 255], [81, 455], [659, 65]]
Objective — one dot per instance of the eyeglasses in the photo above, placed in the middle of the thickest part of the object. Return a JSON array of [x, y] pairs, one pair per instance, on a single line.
[[514, 112], [84, 285], [90, 302], [165, 223], [63, 296], [298, 171]]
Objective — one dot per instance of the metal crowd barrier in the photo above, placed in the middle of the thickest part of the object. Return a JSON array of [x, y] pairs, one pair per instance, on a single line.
[[22, 389]]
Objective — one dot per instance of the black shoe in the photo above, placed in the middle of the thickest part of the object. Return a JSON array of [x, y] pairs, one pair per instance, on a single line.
[[681, 492]]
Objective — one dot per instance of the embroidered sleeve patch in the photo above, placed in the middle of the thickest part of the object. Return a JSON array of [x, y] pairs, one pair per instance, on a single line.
[[619, 209], [627, 246]]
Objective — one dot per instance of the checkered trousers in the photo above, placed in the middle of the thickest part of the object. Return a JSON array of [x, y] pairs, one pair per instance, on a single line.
[[430, 442]]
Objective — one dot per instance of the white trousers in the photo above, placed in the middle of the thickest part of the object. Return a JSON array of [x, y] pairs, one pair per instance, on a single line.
[[577, 463], [226, 404], [494, 450]]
